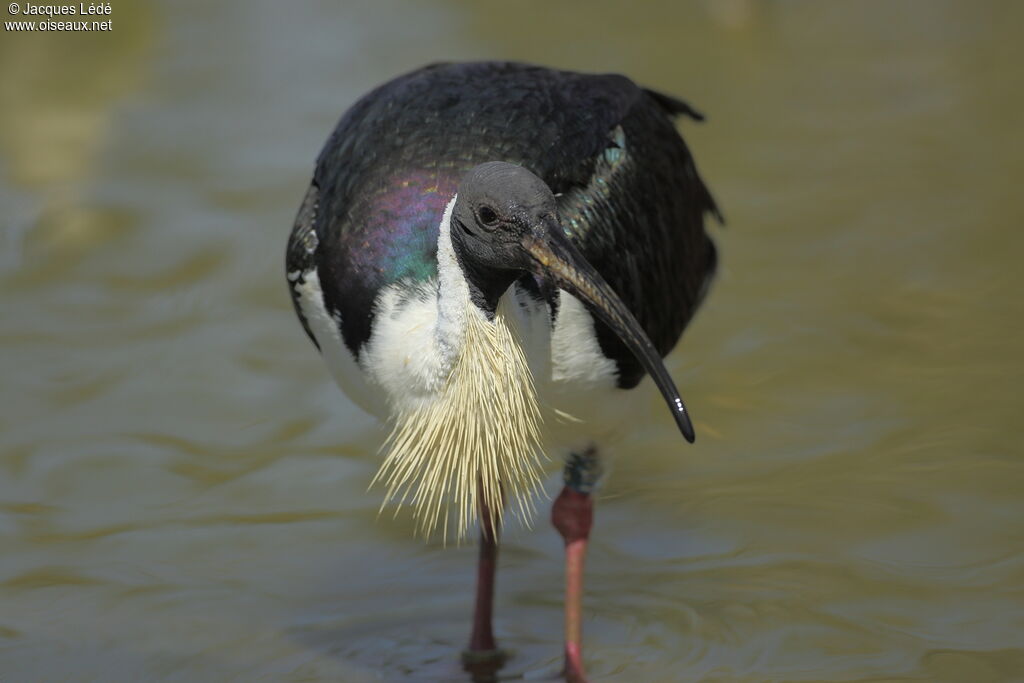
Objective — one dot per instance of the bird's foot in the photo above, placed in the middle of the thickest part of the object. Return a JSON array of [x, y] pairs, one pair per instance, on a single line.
[[483, 665], [573, 671]]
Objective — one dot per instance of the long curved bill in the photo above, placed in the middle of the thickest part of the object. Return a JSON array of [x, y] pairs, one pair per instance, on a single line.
[[555, 258]]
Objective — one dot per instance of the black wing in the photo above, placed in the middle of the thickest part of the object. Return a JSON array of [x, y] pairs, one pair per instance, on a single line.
[[639, 220]]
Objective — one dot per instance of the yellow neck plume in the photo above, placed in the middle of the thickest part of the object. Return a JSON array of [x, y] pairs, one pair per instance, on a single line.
[[478, 442]]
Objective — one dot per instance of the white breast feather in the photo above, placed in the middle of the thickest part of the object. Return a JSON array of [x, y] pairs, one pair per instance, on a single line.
[[576, 354], [326, 328]]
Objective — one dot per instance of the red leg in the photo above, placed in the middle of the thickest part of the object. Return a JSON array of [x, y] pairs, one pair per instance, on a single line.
[[483, 658], [573, 516], [482, 638]]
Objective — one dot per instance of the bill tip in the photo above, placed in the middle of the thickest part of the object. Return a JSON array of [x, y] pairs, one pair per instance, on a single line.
[[683, 420], [686, 427]]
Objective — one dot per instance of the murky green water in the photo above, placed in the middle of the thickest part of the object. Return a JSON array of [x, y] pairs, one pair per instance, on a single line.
[[182, 490]]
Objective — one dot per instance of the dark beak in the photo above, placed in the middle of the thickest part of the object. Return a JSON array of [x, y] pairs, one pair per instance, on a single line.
[[554, 258]]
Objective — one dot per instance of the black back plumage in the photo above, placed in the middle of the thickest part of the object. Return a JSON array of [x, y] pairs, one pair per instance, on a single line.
[[628, 191]]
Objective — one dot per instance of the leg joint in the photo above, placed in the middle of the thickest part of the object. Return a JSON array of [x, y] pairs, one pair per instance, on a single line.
[[582, 471]]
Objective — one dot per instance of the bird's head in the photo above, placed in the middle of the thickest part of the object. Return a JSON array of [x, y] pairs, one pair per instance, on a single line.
[[505, 223]]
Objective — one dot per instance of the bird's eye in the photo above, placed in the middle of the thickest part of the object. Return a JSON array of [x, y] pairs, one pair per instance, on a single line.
[[488, 216]]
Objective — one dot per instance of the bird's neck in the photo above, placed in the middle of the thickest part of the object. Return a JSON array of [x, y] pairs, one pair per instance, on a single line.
[[464, 291], [485, 284]]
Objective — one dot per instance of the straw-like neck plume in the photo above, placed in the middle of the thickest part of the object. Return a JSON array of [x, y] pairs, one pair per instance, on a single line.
[[476, 438]]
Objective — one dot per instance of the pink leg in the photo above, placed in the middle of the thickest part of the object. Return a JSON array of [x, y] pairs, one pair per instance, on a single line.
[[573, 516]]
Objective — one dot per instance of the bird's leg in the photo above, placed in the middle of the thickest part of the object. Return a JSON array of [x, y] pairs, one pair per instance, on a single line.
[[483, 649], [482, 638], [573, 515]]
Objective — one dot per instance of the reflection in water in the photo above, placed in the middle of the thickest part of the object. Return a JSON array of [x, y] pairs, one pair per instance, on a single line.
[[183, 493]]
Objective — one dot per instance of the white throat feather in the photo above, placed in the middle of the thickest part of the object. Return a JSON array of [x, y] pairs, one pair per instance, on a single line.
[[476, 438]]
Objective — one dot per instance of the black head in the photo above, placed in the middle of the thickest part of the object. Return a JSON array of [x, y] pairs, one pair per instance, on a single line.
[[504, 224], [499, 204]]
